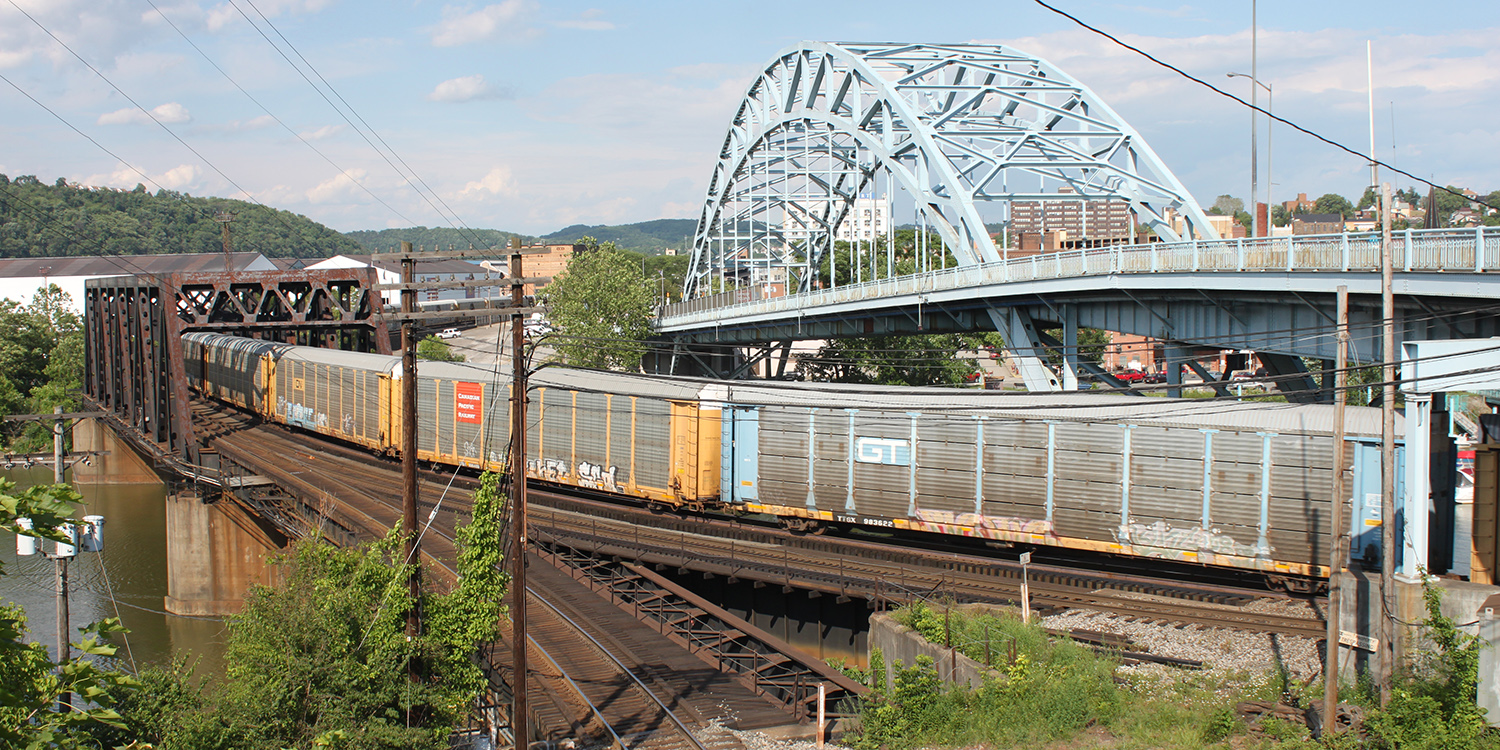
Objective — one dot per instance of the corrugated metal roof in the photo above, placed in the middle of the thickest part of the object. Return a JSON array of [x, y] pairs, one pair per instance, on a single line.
[[341, 358], [92, 265]]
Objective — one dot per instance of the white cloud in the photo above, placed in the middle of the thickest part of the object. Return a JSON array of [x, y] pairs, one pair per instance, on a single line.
[[226, 14], [339, 188], [507, 19], [321, 133], [497, 182], [176, 178], [171, 112], [589, 20], [467, 89]]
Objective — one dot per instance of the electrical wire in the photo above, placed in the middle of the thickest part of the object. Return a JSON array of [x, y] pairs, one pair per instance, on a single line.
[[1370, 158], [279, 121], [472, 235], [248, 196]]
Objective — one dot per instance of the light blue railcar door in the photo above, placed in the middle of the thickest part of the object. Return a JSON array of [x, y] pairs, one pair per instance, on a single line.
[[739, 468]]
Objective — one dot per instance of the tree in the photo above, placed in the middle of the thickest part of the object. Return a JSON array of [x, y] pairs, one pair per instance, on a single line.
[[1368, 199], [1280, 216], [1227, 205], [30, 681], [930, 359], [41, 363], [1333, 203], [435, 349], [601, 307], [322, 659]]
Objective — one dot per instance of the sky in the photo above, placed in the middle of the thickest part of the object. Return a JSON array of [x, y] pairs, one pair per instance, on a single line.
[[531, 115]]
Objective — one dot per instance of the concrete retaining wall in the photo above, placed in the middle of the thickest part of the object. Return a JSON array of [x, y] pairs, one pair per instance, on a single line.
[[902, 645]]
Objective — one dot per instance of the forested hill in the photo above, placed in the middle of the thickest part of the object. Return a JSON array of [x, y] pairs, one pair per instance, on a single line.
[[373, 240], [42, 220], [650, 237]]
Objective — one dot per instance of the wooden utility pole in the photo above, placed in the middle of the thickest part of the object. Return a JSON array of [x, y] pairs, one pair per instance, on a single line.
[[520, 724], [1387, 454], [1338, 554], [409, 449], [408, 440]]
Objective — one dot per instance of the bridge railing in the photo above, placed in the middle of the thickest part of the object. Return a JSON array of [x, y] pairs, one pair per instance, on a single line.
[[1474, 250]]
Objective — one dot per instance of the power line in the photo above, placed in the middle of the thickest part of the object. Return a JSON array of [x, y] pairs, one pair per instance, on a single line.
[[151, 115], [272, 115], [418, 180], [1179, 71]]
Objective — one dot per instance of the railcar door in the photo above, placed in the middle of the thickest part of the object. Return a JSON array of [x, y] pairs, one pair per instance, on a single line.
[[740, 451]]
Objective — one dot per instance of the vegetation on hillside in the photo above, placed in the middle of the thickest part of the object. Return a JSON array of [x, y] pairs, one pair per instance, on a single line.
[[1046, 691], [322, 659], [432, 238], [62, 219], [648, 237]]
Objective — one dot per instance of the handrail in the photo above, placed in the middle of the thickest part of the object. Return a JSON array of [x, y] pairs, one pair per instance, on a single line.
[[1446, 250]]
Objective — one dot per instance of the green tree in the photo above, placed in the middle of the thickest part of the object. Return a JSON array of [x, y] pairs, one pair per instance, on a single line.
[[30, 681], [1333, 203], [437, 350], [41, 363], [601, 307], [322, 658], [1368, 199], [37, 219], [928, 359]]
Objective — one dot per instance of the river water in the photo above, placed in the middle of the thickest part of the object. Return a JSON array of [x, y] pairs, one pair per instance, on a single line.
[[129, 578]]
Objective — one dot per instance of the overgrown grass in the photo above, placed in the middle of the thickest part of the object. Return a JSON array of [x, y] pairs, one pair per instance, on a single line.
[[1045, 692]]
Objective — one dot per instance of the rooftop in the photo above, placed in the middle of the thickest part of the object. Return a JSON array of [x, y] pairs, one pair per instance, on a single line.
[[117, 265]]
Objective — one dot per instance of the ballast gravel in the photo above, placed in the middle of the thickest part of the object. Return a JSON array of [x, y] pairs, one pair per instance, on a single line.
[[1224, 652]]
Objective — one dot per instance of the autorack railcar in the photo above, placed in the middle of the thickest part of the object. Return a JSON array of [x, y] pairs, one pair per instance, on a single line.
[[1236, 484]]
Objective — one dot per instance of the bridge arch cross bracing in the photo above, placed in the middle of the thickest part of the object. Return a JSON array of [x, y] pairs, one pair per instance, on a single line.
[[942, 127]]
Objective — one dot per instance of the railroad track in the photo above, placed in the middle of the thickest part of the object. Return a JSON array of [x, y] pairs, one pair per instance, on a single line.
[[872, 570], [581, 687]]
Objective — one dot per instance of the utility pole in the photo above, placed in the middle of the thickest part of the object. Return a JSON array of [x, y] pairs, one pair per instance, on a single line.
[[409, 449], [224, 218], [520, 724], [1387, 454], [408, 439], [1255, 229], [1337, 551]]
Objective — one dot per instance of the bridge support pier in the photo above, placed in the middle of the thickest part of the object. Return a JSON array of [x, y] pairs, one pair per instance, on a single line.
[[1028, 349], [215, 553], [118, 464]]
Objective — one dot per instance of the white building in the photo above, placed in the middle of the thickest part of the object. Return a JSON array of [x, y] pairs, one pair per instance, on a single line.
[[389, 272], [20, 278], [867, 219]]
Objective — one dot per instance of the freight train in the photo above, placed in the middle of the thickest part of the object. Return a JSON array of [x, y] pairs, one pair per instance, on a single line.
[[1242, 485]]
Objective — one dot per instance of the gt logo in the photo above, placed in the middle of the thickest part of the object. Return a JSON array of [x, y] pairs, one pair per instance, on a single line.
[[872, 450]]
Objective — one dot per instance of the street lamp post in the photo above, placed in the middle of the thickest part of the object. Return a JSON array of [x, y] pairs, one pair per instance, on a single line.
[[1270, 129]]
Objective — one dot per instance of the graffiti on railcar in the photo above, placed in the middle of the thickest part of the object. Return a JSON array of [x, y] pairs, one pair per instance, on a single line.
[[974, 524], [302, 416], [1192, 538], [597, 477], [549, 469]]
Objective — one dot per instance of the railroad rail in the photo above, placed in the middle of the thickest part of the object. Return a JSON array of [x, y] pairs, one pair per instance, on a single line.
[[587, 686]]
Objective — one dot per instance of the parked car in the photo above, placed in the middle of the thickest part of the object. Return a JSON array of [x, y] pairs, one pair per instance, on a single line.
[[448, 333]]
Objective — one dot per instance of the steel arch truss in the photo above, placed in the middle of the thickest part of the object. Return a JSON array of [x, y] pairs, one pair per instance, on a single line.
[[948, 126]]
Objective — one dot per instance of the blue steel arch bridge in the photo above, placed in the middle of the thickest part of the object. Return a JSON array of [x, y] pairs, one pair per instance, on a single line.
[[952, 135]]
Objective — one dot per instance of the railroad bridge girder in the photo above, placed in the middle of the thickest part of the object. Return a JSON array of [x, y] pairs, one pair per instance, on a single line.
[[133, 326]]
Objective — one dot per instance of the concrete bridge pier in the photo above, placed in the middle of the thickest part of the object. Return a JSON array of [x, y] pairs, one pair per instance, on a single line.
[[118, 464], [215, 553]]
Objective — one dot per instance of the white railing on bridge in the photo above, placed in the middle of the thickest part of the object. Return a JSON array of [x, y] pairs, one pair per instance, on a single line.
[[1415, 250]]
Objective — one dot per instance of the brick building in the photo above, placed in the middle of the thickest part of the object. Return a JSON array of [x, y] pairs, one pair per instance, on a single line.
[[1081, 219]]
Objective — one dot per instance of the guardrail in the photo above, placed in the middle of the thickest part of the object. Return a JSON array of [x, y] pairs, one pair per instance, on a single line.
[[1415, 250]]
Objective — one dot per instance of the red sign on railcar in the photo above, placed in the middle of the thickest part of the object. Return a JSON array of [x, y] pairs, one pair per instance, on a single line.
[[468, 402]]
